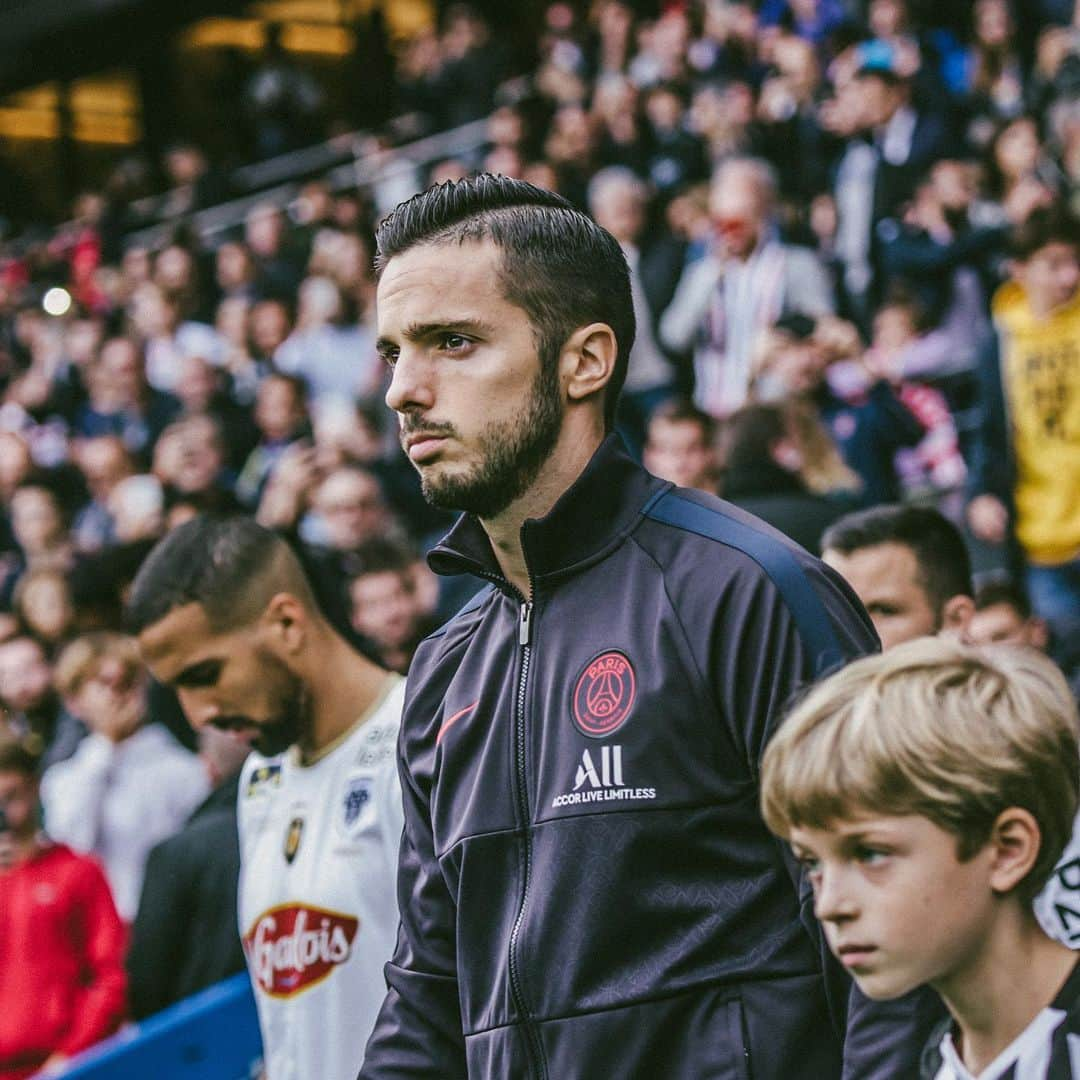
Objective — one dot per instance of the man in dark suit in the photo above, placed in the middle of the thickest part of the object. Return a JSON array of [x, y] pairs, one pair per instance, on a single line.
[[185, 936]]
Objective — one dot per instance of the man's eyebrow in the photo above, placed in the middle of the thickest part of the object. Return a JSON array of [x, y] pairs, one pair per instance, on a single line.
[[419, 331]]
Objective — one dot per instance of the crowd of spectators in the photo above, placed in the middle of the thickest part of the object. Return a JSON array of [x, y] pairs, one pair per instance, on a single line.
[[844, 219]]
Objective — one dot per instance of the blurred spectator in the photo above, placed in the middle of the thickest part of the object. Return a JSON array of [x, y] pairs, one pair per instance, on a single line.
[[386, 607], [1025, 473], [277, 270], [725, 300], [1003, 616], [61, 942], [681, 446], [167, 337], [45, 607], [129, 784], [195, 184], [618, 200], [185, 936], [35, 713], [284, 102], [282, 419], [190, 460], [104, 461], [40, 532], [875, 176], [763, 465], [869, 425], [336, 358], [909, 567], [120, 400]]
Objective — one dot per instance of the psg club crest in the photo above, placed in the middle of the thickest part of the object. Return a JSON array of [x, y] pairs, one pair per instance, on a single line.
[[603, 694], [293, 835], [358, 804]]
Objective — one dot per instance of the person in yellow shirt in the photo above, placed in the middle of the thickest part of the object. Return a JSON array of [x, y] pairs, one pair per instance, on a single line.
[[1025, 474]]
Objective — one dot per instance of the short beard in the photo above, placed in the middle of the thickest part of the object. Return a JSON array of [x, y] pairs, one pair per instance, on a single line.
[[291, 722], [513, 452]]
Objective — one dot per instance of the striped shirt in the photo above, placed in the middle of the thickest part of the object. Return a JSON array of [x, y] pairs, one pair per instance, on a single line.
[[1047, 1049]]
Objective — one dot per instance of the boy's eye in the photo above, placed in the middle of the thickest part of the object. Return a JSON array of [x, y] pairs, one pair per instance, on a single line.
[[453, 342], [870, 856], [810, 864]]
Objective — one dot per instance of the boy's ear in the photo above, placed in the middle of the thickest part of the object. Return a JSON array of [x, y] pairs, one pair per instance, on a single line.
[[1016, 839]]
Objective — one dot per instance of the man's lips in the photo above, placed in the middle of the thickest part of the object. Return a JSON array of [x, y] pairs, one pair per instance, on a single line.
[[422, 447]]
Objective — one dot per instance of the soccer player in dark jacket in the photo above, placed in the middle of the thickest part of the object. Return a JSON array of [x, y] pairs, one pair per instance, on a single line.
[[586, 885]]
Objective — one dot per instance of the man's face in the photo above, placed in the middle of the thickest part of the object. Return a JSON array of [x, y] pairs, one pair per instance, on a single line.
[[351, 505], [886, 579], [19, 802], [899, 907], [25, 677], [738, 213], [231, 680], [480, 413], [1050, 276], [1002, 624], [678, 451], [384, 608]]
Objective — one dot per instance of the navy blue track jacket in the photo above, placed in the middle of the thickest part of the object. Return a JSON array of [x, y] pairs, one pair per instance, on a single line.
[[587, 888]]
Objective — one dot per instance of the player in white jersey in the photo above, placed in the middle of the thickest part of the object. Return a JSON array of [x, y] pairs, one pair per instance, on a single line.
[[225, 614], [318, 844]]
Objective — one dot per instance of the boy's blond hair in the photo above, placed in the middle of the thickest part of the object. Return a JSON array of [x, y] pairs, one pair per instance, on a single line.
[[952, 733], [80, 660]]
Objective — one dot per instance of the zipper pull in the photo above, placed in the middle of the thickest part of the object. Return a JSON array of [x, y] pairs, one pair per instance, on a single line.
[[525, 623]]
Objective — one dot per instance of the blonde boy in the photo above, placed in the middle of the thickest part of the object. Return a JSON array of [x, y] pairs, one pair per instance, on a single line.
[[928, 792]]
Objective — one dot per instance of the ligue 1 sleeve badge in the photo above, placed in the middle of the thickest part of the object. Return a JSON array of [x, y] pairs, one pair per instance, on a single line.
[[603, 694]]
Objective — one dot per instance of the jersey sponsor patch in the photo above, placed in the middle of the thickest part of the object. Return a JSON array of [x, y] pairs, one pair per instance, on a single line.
[[293, 835], [603, 694], [292, 947], [357, 810], [263, 780]]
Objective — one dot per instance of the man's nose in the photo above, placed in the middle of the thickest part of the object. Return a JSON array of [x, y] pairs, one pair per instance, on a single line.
[[199, 709], [411, 384]]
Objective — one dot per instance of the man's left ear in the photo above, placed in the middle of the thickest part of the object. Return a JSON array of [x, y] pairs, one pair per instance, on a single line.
[[957, 613], [588, 360], [1016, 840], [286, 623]]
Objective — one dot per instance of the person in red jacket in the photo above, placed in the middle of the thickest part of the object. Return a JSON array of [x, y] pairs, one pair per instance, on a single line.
[[62, 981]]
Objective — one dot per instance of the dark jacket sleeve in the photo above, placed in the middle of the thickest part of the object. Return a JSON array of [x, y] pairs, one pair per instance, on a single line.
[[157, 935], [882, 1040], [418, 1032]]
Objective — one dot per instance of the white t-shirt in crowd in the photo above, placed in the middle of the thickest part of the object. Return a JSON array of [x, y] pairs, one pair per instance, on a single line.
[[318, 904]]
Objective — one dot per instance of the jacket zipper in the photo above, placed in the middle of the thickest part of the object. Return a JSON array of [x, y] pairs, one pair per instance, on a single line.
[[525, 614], [525, 642]]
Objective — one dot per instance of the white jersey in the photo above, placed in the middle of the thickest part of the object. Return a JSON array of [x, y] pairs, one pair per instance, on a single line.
[[1057, 907], [318, 904]]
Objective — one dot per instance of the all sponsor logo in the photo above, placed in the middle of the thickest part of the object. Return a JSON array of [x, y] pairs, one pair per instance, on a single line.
[[603, 694], [599, 779], [293, 947]]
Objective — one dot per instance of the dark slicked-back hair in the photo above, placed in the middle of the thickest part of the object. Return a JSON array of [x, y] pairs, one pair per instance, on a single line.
[[937, 544], [230, 567], [558, 265]]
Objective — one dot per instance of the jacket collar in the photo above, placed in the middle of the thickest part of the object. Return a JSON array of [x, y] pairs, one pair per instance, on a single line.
[[593, 515]]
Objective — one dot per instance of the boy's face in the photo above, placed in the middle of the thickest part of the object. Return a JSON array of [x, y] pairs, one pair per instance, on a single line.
[[899, 907], [679, 451]]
